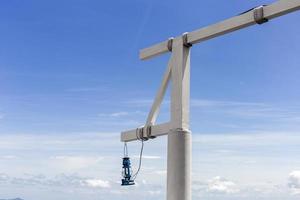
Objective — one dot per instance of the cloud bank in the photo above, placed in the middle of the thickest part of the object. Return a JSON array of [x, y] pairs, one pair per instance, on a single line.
[[294, 182]]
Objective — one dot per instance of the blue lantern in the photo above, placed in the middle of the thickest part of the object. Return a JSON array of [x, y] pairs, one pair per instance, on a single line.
[[127, 172]]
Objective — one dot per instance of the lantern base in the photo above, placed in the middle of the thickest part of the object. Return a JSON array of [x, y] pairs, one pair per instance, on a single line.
[[126, 182]]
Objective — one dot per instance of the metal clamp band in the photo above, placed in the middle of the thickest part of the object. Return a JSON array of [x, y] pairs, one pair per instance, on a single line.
[[170, 43], [137, 133], [149, 133], [185, 40], [140, 134], [258, 14]]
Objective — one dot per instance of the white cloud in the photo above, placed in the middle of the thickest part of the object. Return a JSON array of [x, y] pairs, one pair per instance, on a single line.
[[221, 185], [113, 115], [250, 110], [87, 89], [97, 183], [140, 102], [119, 114], [74, 162], [61, 180], [216, 103], [3, 177], [154, 192], [294, 182], [65, 152], [161, 172], [148, 157], [8, 157]]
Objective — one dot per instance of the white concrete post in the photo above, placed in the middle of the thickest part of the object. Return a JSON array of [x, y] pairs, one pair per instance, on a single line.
[[179, 138], [179, 165]]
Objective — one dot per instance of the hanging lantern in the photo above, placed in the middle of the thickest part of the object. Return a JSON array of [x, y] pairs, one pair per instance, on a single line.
[[127, 172]]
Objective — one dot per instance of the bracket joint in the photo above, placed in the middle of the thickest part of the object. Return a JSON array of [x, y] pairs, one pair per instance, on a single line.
[[170, 43], [185, 40], [258, 14], [144, 133]]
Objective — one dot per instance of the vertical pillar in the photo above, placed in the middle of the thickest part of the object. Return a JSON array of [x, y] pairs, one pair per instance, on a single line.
[[179, 138]]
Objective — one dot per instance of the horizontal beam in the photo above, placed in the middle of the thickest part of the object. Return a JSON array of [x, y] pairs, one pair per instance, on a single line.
[[154, 50], [271, 11], [156, 130]]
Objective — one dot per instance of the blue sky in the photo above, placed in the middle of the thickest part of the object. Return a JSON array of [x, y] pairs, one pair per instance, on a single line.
[[71, 80]]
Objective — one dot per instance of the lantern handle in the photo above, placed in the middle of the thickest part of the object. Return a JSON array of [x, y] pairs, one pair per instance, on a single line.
[[125, 150]]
